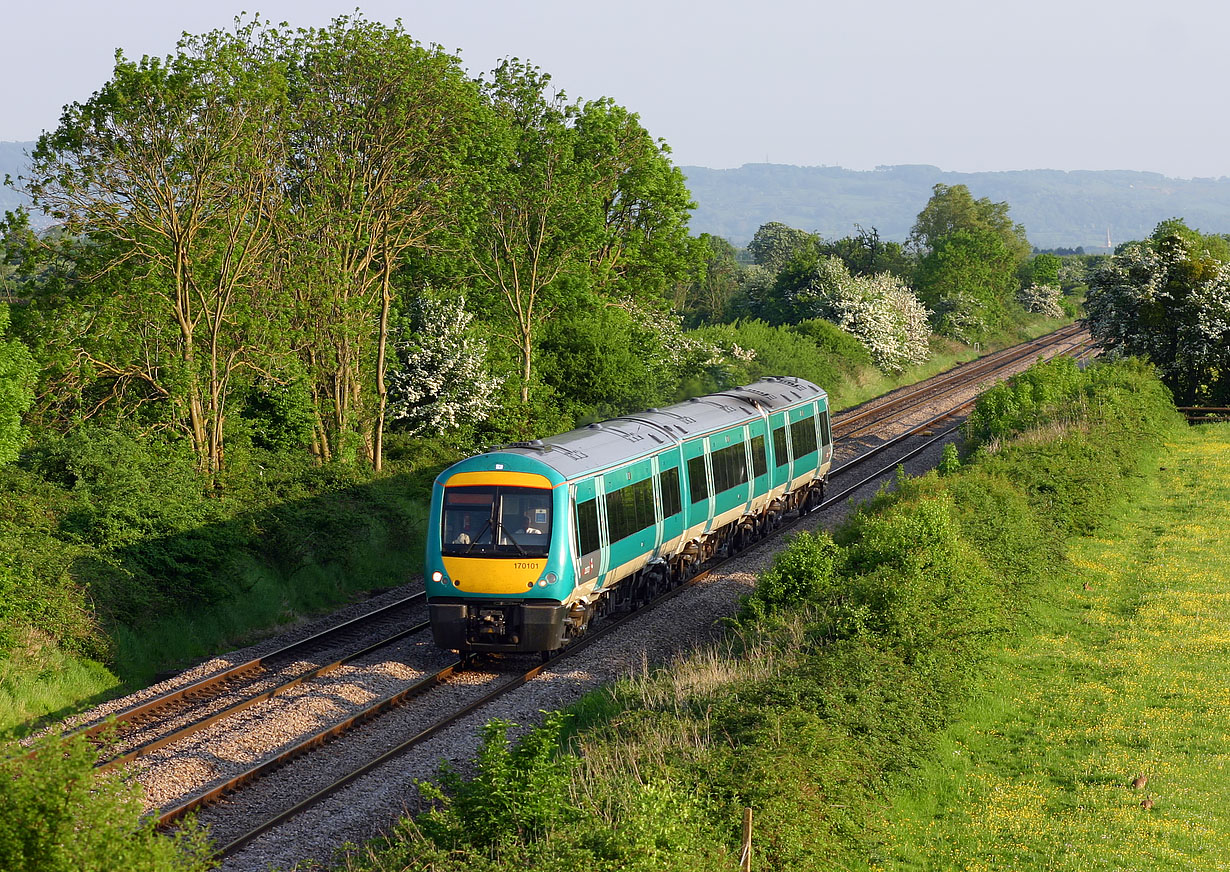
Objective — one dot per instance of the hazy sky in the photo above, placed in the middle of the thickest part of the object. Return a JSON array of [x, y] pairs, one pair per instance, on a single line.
[[965, 85]]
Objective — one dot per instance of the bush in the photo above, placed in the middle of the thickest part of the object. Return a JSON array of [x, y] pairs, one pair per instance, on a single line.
[[778, 351], [517, 793], [57, 815], [799, 576]]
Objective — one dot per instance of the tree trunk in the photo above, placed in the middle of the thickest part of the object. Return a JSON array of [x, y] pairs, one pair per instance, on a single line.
[[382, 391]]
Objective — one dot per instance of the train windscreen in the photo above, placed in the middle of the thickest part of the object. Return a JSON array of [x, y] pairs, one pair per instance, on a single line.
[[496, 521]]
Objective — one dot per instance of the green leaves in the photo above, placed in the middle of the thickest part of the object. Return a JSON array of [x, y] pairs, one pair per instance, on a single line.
[[17, 376], [1168, 299], [517, 792], [57, 815]]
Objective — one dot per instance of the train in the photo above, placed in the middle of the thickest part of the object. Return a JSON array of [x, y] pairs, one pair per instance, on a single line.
[[528, 544]]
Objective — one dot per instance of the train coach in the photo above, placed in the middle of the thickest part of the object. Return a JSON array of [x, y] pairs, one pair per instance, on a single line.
[[528, 544]]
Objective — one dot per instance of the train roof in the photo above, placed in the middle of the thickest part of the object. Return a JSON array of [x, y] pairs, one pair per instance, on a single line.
[[628, 437]]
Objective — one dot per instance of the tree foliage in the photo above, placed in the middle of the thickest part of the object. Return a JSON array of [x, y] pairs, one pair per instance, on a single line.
[[776, 244], [57, 815], [1168, 299], [578, 205], [879, 310], [378, 143], [172, 166], [967, 279], [441, 378], [953, 209], [18, 373]]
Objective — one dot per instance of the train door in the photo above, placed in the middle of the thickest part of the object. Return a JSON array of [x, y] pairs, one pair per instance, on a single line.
[[826, 435], [803, 444], [780, 465], [758, 459], [587, 531], [670, 496], [698, 493], [728, 459]]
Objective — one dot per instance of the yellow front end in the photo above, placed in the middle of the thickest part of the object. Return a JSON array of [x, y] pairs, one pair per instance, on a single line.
[[494, 576]]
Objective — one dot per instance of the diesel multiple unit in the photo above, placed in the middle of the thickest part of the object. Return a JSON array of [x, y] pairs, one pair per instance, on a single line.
[[529, 543]]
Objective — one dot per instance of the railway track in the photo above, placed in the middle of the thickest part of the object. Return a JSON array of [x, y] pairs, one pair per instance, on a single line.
[[844, 477], [868, 417], [185, 711]]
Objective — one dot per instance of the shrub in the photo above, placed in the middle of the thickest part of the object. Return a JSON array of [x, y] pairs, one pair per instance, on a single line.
[[517, 793], [57, 815], [801, 573]]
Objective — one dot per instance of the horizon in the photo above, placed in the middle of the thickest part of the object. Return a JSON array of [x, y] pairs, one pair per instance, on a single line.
[[883, 167], [1070, 86]]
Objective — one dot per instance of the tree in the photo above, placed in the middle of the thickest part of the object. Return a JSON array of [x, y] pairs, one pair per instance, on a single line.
[[1042, 269], [575, 205], [706, 299], [440, 378], [866, 254], [172, 168], [377, 146], [17, 377], [1168, 299], [953, 209], [880, 311], [1041, 299], [775, 244], [967, 279]]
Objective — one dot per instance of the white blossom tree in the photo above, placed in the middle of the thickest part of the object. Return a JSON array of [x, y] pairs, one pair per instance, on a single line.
[[1168, 299], [880, 311], [440, 379], [1041, 299]]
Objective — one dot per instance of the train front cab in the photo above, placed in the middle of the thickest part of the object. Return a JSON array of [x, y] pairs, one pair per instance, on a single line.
[[498, 573]]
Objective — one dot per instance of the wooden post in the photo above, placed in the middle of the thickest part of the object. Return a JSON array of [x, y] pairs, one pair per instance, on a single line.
[[745, 857]]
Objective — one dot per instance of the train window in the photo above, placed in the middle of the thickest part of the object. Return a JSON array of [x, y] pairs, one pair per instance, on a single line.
[[826, 430], [672, 499], [697, 484], [729, 467], [629, 510], [780, 456], [803, 436], [587, 527], [760, 463], [496, 521]]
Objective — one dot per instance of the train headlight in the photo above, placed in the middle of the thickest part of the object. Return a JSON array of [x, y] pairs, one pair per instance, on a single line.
[[437, 576], [549, 578]]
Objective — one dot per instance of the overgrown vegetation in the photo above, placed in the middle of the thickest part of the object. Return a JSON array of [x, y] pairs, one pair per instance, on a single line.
[[58, 815], [848, 661]]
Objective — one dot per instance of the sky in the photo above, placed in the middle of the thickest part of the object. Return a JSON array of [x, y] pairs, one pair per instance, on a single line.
[[965, 85]]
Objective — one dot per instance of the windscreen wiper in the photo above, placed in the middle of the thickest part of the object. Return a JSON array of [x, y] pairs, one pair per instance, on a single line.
[[478, 536]]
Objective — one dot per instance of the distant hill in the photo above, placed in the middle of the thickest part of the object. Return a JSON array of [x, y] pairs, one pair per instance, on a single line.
[[1059, 209]]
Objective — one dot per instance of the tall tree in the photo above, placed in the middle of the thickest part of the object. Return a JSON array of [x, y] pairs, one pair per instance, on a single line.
[[775, 244], [173, 167], [570, 200], [967, 279], [706, 299], [378, 143], [952, 209]]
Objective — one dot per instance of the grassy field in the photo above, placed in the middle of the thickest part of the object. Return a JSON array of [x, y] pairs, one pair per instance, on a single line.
[[1123, 670]]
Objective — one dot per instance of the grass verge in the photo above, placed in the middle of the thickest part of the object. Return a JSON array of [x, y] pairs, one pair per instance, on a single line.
[[1122, 673]]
